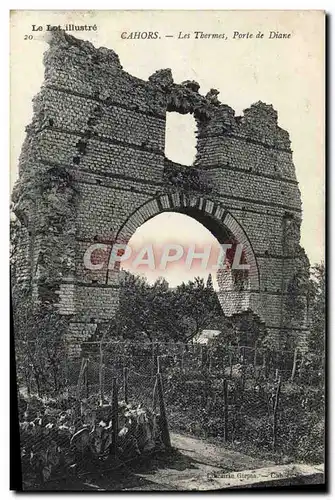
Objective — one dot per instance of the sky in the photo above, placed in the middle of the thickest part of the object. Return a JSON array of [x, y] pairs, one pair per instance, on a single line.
[[286, 73], [179, 229]]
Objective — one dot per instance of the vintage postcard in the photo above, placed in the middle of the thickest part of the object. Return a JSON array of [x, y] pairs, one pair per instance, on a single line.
[[167, 249]]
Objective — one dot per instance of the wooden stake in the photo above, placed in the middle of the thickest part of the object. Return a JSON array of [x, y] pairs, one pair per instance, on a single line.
[[202, 356], [225, 402], [153, 357], [230, 362], [101, 374], [301, 369], [80, 378], [115, 410], [163, 419], [243, 368], [87, 381], [294, 368], [266, 356], [255, 354], [154, 396], [275, 422], [276, 363], [125, 384]]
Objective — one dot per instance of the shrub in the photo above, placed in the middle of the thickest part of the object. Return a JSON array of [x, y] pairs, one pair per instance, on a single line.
[[55, 440]]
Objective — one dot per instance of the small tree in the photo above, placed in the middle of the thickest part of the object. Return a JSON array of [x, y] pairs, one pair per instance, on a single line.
[[317, 308], [39, 343], [209, 283]]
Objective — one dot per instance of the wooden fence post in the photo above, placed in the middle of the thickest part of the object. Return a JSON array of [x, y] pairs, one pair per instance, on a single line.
[[87, 380], [80, 378], [225, 402], [276, 363], [125, 384], [66, 376], [294, 367], [302, 367], [266, 367], [154, 396], [153, 357], [255, 355], [243, 368], [115, 410], [275, 409], [101, 376], [201, 355], [28, 378], [163, 418]]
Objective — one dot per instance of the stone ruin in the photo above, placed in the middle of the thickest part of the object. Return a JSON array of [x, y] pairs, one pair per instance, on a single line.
[[93, 169]]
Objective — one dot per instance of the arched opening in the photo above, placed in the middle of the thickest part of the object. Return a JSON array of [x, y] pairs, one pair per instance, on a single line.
[[187, 262], [194, 251], [238, 271], [171, 234], [168, 284], [238, 286], [180, 138]]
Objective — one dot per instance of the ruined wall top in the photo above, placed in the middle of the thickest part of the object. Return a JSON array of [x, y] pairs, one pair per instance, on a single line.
[[103, 77], [81, 51]]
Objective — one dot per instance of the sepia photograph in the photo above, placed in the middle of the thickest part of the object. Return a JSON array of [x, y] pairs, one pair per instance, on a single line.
[[167, 249]]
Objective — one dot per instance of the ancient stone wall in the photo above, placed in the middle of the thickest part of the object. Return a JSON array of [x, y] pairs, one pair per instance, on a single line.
[[99, 134]]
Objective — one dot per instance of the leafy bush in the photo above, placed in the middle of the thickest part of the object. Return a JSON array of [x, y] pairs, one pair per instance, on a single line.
[[55, 440]]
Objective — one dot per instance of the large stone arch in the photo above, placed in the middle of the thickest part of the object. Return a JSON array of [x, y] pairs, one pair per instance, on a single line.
[[200, 208], [221, 223], [99, 134]]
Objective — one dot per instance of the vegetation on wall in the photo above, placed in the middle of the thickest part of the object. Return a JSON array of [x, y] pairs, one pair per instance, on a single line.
[[317, 309], [43, 202], [185, 178]]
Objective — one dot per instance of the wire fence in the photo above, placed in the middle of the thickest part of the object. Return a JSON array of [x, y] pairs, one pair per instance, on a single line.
[[44, 368], [118, 400]]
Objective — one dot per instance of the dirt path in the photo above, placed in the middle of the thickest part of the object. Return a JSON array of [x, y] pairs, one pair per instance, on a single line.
[[216, 455], [192, 464], [195, 460]]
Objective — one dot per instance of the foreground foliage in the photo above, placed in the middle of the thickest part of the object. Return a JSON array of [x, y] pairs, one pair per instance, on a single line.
[[58, 438]]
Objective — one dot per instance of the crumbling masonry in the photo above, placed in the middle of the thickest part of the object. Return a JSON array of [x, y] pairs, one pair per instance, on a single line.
[[93, 169]]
